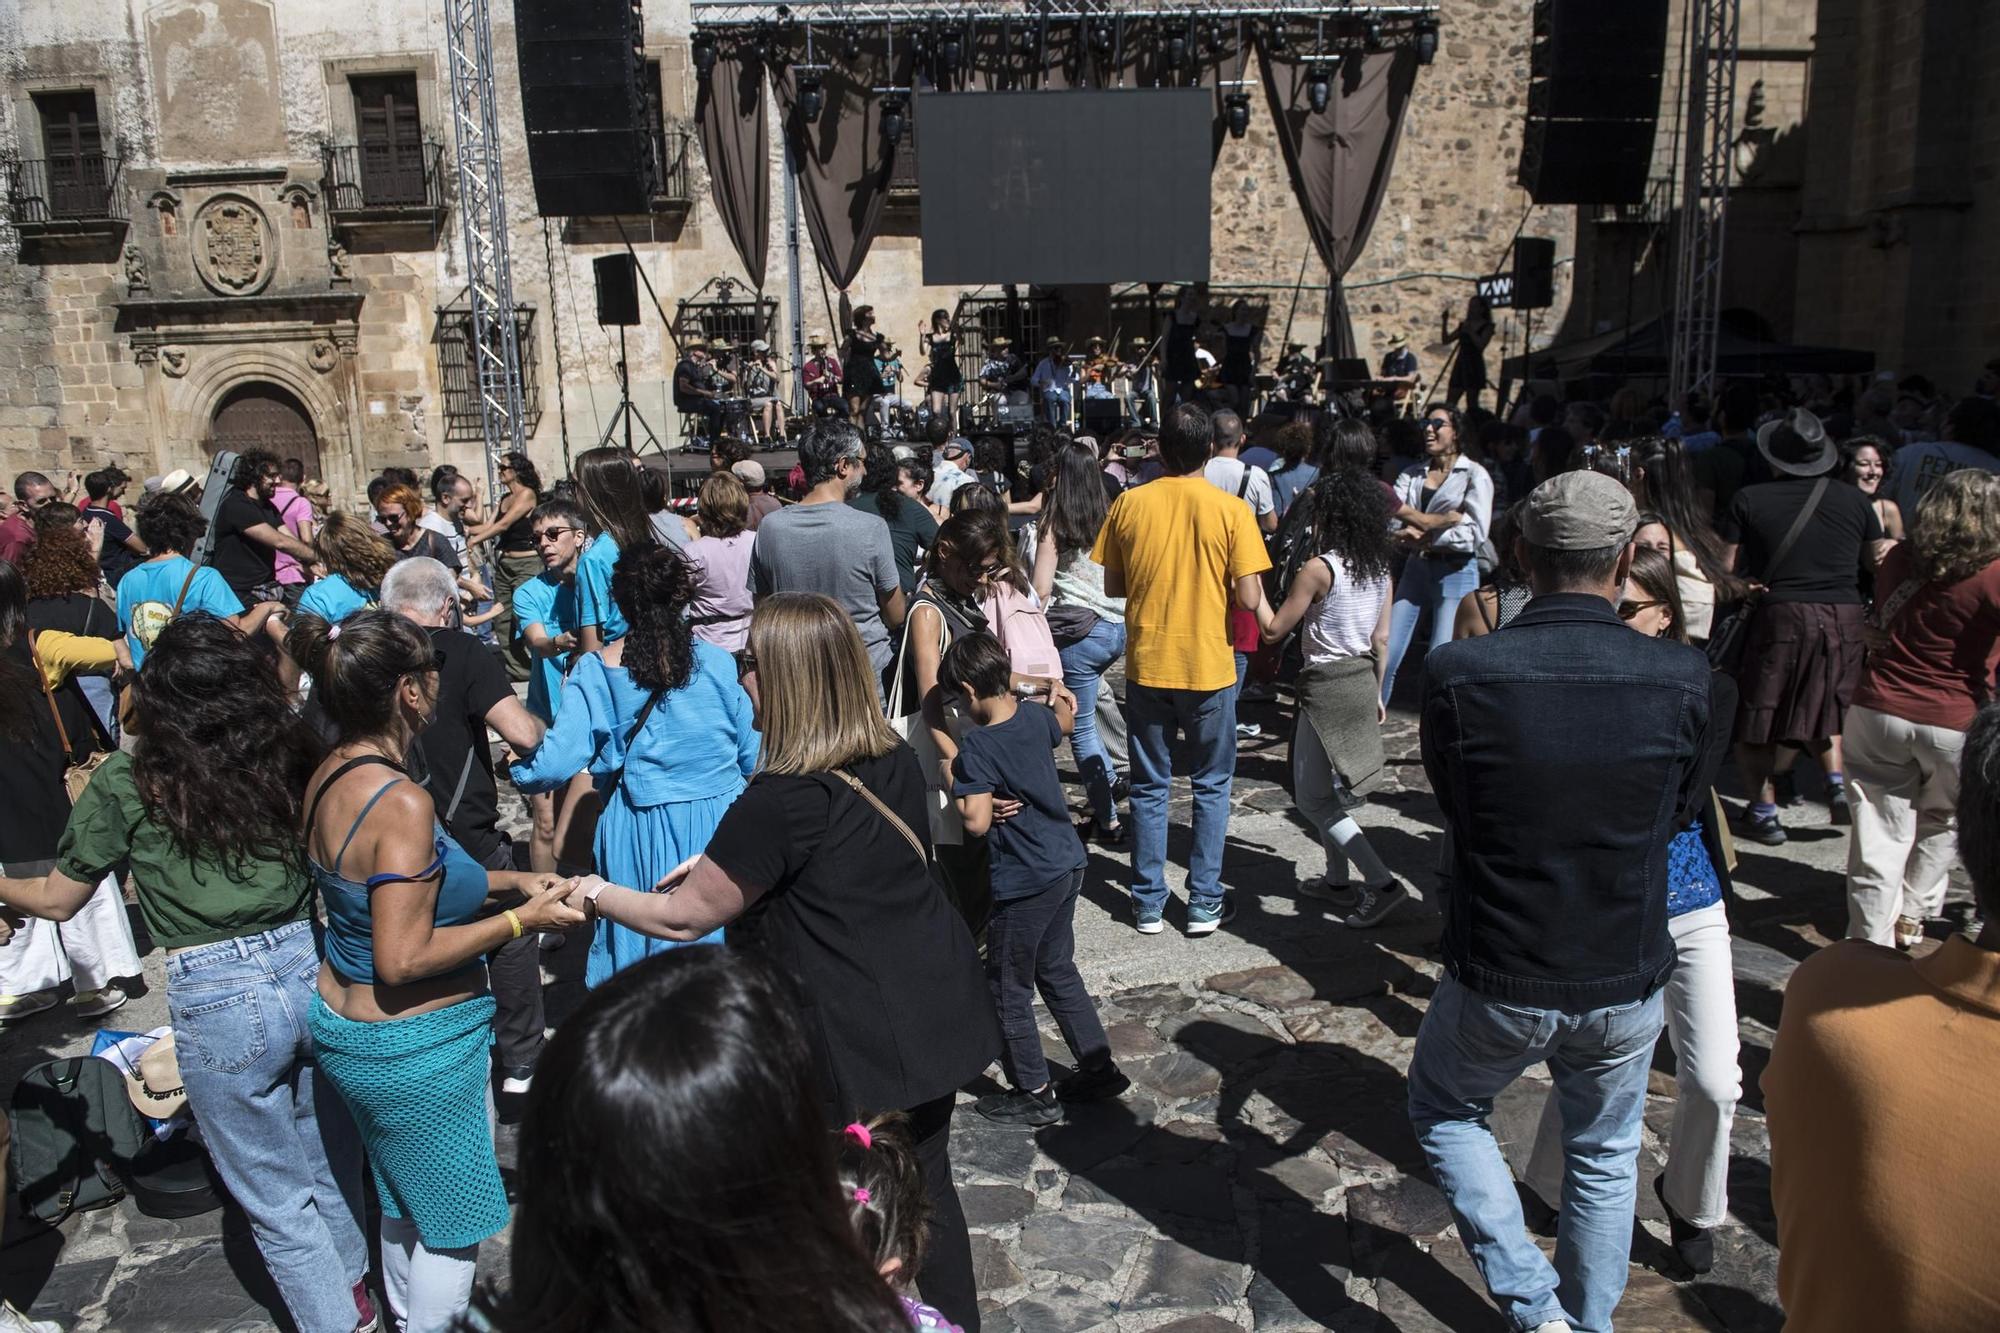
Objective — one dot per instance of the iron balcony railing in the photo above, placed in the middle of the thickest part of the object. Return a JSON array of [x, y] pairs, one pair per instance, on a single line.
[[672, 148], [384, 176], [83, 187]]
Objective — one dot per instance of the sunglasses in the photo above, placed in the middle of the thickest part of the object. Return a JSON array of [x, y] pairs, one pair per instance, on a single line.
[[550, 534], [746, 663], [1627, 610], [1436, 424]]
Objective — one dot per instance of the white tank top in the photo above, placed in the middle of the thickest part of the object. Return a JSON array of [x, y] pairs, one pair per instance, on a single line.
[[1342, 623]]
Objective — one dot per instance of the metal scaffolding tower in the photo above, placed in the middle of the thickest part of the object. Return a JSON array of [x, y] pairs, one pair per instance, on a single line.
[[1710, 149], [482, 216]]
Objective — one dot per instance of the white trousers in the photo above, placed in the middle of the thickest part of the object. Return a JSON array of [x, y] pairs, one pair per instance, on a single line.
[[91, 947], [1701, 1025], [428, 1289], [1902, 783]]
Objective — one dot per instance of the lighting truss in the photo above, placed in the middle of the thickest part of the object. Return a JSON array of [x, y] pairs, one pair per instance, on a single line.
[[1397, 22], [1711, 146]]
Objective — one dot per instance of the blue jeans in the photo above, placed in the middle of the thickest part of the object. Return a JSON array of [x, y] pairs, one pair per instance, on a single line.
[[281, 1138], [1206, 721], [1468, 1049], [1434, 585], [1055, 403], [1084, 664]]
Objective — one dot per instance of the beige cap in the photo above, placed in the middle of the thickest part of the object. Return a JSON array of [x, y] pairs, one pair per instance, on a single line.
[[750, 472], [1579, 511]]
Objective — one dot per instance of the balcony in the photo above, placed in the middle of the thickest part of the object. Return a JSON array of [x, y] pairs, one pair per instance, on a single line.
[[903, 176], [673, 176], [377, 191], [66, 200]]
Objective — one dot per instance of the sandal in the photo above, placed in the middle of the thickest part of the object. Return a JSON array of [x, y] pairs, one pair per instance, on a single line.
[[1909, 933]]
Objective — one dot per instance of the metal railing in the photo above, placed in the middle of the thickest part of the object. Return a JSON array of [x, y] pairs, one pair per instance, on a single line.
[[86, 187], [364, 177], [1654, 209], [903, 175], [458, 372], [673, 178]]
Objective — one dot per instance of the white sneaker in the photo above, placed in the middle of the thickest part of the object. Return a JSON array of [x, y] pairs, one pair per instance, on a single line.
[[97, 1003], [1553, 1326], [16, 1007], [13, 1321], [1249, 730]]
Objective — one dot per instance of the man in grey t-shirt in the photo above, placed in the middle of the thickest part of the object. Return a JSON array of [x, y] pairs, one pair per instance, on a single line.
[[822, 545]]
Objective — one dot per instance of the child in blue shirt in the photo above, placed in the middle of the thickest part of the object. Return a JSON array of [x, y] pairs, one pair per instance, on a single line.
[[1037, 871]]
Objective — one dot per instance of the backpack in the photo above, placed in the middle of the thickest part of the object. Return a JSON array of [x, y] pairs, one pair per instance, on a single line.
[[75, 1135]]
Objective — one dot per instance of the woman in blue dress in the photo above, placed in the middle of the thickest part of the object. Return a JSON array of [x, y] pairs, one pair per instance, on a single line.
[[662, 725], [609, 493]]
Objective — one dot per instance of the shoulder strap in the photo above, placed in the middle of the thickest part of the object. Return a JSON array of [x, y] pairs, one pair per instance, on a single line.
[[1243, 486], [1797, 529], [1892, 606], [895, 821], [312, 810], [186, 583], [1486, 618], [618, 774], [355, 827], [42, 679]]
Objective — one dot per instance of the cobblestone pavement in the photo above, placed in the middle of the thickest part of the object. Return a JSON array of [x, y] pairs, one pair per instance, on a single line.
[[1260, 1175]]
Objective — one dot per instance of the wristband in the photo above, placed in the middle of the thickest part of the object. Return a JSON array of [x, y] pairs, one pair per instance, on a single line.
[[514, 920]]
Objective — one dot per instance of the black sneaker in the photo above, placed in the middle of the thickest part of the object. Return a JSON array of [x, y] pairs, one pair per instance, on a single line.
[[1093, 1085], [1121, 789], [1694, 1245], [1020, 1108], [1837, 806], [1763, 829]]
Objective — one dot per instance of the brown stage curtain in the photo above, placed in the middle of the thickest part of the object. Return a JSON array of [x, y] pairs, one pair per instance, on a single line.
[[844, 163], [736, 141], [1340, 158]]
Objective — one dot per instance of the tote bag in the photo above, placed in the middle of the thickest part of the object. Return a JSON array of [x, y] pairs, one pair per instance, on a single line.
[[947, 829]]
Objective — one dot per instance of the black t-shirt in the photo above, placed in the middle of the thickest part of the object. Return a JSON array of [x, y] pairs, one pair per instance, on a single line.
[[687, 373], [894, 999], [911, 529], [451, 758], [1824, 565], [75, 613], [33, 803], [116, 557], [1015, 760], [432, 546], [243, 563]]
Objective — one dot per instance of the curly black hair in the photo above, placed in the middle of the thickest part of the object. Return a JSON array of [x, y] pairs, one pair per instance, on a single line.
[[653, 586], [1348, 518], [524, 471], [221, 759], [168, 523], [880, 479]]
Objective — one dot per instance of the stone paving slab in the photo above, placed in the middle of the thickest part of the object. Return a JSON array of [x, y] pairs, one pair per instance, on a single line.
[[1262, 1173]]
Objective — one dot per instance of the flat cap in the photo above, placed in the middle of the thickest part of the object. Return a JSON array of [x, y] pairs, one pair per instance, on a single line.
[[1579, 511], [750, 472]]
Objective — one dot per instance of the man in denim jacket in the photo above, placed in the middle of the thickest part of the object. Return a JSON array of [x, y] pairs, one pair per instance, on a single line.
[[1564, 751]]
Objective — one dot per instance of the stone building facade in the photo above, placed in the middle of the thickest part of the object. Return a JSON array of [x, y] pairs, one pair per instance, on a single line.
[[237, 270]]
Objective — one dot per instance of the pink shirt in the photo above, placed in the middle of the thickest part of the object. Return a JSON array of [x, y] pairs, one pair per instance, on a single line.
[[293, 510], [722, 602]]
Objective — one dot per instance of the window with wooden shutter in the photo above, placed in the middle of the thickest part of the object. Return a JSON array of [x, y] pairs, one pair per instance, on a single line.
[[77, 176], [389, 132]]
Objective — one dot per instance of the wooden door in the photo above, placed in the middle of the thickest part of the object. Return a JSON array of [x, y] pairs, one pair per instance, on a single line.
[[264, 416], [75, 153], [391, 140]]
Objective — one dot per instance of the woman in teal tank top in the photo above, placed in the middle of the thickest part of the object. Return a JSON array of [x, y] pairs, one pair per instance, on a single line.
[[403, 1020]]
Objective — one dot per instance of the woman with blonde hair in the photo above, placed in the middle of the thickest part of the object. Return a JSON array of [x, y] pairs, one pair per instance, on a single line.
[[356, 562], [1936, 642], [823, 866], [719, 560]]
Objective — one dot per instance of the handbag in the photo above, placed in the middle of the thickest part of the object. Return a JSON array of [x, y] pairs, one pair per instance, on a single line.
[[1732, 633], [947, 828], [1070, 622], [76, 773], [580, 842], [75, 1137]]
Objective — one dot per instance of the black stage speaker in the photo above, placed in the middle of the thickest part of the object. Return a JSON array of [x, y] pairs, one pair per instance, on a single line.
[[617, 289], [1534, 273], [584, 103], [1594, 80], [1101, 416]]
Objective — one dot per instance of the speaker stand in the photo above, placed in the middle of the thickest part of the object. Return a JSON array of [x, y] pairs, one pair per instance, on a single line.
[[628, 414]]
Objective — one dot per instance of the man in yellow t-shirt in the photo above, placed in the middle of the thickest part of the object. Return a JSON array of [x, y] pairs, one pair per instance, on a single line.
[[1180, 551]]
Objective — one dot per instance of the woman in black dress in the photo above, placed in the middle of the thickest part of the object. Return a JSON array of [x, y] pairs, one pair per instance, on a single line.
[[824, 866], [1468, 368], [857, 367], [1183, 368], [1239, 357], [946, 381]]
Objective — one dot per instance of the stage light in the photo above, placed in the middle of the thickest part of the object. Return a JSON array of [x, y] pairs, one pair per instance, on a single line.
[[851, 48], [948, 54], [1427, 42], [1177, 51], [704, 54], [810, 101], [1373, 33], [892, 119], [1236, 112], [1027, 41], [1281, 37], [1319, 89], [1102, 39]]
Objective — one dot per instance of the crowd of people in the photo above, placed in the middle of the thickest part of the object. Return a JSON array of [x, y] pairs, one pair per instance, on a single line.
[[821, 730]]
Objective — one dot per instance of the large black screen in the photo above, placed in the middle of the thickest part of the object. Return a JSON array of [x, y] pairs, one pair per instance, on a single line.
[[1065, 187]]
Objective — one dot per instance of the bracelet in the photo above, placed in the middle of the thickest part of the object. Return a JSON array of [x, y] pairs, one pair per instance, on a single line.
[[514, 920]]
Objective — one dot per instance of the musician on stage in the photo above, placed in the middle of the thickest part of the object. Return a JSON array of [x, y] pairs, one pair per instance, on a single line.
[[941, 376], [759, 380], [1140, 377], [1468, 367], [1054, 378], [1399, 362], [821, 376], [1295, 374], [857, 370], [1005, 369], [1242, 340], [889, 374], [1183, 366], [698, 384]]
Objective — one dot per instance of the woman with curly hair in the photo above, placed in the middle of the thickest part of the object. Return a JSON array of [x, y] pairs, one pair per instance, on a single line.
[[1937, 616], [65, 588], [912, 528], [515, 561], [206, 809], [661, 723], [1342, 600], [356, 562]]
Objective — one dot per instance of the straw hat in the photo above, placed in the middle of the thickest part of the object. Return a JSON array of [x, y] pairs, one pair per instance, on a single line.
[[1001, 343], [1398, 341], [817, 340], [156, 1089], [177, 481]]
